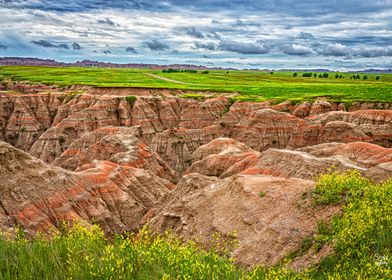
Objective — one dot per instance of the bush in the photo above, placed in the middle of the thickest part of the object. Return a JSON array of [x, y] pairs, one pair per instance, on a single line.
[[295, 74], [205, 72], [61, 139], [307, 75], [131, 99], [377, 78]]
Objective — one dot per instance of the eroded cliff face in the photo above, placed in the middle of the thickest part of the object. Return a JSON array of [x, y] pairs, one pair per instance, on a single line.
[[195, 167], [39, 196], [46, 125]]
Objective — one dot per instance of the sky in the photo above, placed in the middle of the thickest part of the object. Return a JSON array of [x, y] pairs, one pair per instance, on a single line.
[[281, 34]]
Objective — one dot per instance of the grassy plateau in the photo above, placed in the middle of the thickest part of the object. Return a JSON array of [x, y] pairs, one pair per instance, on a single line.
[[250, 85], [360, 236]]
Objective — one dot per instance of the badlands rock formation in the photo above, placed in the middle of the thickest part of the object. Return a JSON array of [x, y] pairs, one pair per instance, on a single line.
[[268, 227], [38, 196], [195, 167]]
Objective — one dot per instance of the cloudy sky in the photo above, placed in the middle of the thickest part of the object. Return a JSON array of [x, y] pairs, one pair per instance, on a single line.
[[333, 34]]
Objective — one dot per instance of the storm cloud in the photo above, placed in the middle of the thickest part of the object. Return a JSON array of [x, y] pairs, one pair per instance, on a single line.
[[107, 21], [46, 44], [76, 46], [243, 48], [207, 46], [191, 31], [130, 50], [155, 45]]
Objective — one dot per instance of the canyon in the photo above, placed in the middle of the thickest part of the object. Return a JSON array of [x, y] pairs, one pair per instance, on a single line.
[[195, 167]]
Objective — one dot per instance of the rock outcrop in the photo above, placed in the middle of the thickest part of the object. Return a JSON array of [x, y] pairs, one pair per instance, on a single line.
[[122, 145], [224, 157], [38, 196], [269, 214]]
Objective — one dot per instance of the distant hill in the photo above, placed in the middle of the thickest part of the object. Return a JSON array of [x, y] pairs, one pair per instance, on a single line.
[[30, 61], [374, 71]]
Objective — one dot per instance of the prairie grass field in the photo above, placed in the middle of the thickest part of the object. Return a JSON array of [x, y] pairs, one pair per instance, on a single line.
[[249, 85]]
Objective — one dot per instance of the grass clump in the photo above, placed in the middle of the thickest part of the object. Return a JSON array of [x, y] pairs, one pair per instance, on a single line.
[[335, 187], [195, 96]]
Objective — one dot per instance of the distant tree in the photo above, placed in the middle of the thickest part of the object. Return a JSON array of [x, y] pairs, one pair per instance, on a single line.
[[271, 73], [307, 75], [320, 75], [295, 74], [340, 76], [170, 70], [227, 72], [336, 76], [205, 72], [315, 75], [358, 77], [377, 78], [365, 77], [325, 75]]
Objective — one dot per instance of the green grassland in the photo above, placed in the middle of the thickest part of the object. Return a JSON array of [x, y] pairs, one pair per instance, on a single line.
[[360, 236], [250, 85]]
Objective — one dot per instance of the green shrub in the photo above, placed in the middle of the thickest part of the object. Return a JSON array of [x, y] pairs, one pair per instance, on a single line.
[[61, 139], [131, 99]]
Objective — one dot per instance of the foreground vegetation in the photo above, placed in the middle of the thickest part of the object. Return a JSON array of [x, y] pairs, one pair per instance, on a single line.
[[251, 85], [361, 238]]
